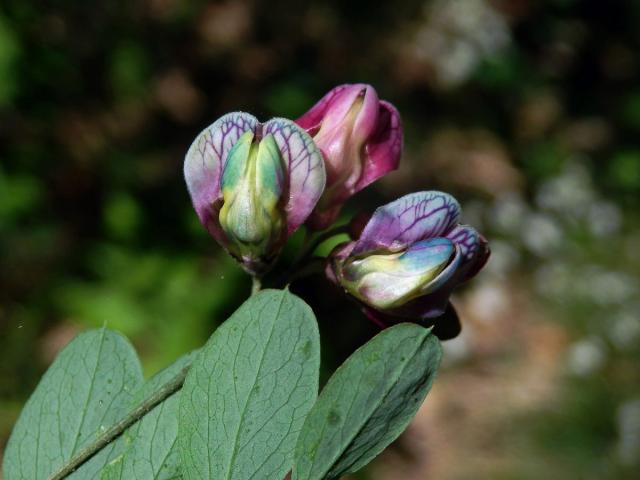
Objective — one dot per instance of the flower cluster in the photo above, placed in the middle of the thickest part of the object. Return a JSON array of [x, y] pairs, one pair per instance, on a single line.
[[253, 184]]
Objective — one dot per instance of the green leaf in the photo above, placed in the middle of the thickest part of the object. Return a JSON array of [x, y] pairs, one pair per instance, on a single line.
[[152, 451], [87, 389], [367, 403], [249, 390]]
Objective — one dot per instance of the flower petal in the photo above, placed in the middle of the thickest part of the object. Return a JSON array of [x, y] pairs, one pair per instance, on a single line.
[[384, 147], [474, 249], [429, 306], [306, 173], [414, 217], [467, 238], [252, 184], [338, 255], [311, 120], [205, 161], [387, 281], [360, 137]]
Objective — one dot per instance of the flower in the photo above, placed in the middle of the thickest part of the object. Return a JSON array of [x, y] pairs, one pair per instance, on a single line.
[[253, 184], [407, 260], [360, 137]]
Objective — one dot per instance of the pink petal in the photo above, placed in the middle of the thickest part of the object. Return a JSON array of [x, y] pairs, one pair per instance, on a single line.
[[384, 148]]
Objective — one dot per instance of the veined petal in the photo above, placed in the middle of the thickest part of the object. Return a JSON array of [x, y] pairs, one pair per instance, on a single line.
[[301, 180], [414, 217], [467, 238], [305, 167], [474, 247], [204, 164]]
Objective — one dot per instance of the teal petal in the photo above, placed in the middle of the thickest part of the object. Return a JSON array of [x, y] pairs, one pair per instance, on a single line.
[[386, 281]]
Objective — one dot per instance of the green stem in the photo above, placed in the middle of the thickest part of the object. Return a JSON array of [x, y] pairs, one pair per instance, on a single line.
[[118, 429], [311, 245], [256, 285]]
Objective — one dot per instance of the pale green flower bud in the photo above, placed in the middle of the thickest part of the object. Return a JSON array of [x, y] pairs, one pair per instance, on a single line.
[[251, 188]]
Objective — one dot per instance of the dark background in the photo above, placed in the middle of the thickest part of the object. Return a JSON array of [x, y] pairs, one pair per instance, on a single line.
[[528, 111]]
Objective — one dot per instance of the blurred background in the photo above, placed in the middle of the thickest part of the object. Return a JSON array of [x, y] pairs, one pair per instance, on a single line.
[[528, 111]]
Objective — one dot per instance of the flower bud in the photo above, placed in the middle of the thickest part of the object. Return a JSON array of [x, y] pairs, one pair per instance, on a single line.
[[253, 184], [360, 137], [408, 259], [251, 189]]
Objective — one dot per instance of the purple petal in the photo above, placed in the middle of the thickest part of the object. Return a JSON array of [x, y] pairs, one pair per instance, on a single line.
[[306, 173], [474, 248], [467, 238], [414, 217], [384, 147], [204, 164], [337, 255]]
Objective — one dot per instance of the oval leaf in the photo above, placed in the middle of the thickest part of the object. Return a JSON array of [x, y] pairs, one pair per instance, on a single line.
[[367, 403], [88, 388], [152, 451], [249, 390]]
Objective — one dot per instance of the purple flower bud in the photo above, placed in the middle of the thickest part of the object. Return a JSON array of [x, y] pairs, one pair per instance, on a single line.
[[409, 257], [253, 184], [360, 137]]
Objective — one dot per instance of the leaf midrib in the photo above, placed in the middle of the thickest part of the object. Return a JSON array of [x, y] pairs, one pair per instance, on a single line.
[[91, 385], [384, 397], [370, 411], [234, 452]]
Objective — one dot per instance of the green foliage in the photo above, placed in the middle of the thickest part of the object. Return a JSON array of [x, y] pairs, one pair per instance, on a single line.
[[9, 52], [543, 160], [172, 303], [625, 170], [249, 390], [631, 110], [89, 387], [240, 410], [367, 403], [18, 196], [129, 70], [122, 216]]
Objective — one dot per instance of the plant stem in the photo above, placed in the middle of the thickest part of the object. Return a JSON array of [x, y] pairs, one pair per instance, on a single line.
[[118, 429], [256, 285], [310, 246]]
